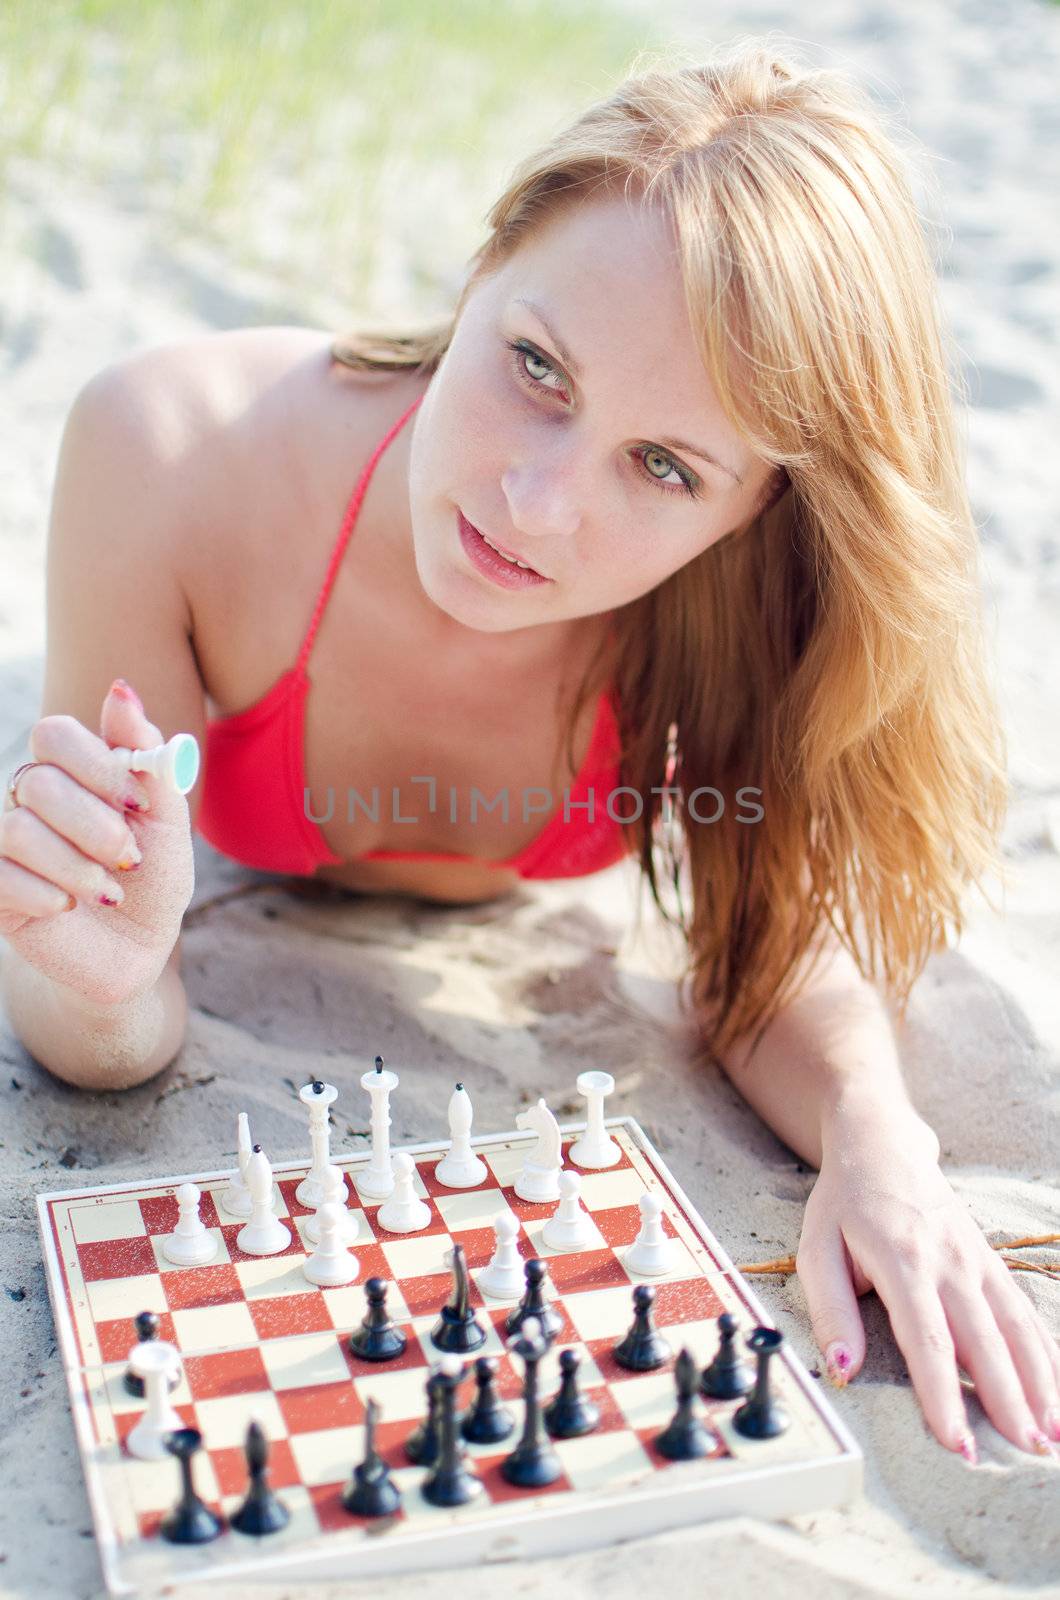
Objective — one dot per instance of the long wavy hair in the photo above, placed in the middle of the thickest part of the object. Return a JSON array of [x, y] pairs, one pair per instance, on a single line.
[[829, 655]]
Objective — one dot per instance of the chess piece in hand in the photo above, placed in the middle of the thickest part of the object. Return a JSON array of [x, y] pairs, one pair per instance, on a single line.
[[96, 864]]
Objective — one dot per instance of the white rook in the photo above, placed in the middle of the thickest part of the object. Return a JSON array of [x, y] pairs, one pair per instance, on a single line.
[[595, 1148], [376, 1181], [318, 1097]]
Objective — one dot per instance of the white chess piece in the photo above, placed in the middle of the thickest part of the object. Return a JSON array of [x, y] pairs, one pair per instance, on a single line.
[[404, 1211], [236, 1198], [318, 1097], [264, 1234], [652, 1252], [376, 1180], [539, 1179], [175, 763], [460, 1167], [505, 1276], [156, 1362], [331, 1263], [335, 1193], [191, 1243], [569, 1227], [595, 1147]]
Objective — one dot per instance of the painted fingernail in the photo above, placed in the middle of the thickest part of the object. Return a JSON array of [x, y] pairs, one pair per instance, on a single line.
[[127, 866], [71, 904], [105, 900], [133, 802], [838, 1360], [125, 691], [1039, 1443], [966, 1445]]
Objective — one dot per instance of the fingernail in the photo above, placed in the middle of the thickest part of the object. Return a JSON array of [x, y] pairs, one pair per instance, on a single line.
[[133, 803], [72, 906], [966, 1445], [132, 858], [105, 900], [128, 866], [125, 691], [1052, 1422], [838, 1359], [1039, 1443]]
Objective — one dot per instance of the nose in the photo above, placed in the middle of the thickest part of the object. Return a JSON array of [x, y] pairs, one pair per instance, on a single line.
[[543, 498]]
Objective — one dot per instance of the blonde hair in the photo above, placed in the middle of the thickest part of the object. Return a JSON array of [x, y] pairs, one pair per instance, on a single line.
[[830, 652]]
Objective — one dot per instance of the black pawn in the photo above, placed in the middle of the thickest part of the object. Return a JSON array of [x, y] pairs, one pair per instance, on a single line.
[[643, 1348], [262, 1511], [371, 1491], [728, 1376], [421, 1446], [458, 1330], [488, 1421], [451, 1481], [570, 1413], [191, 1521], [533, 1463], [146, 1325], [378, 1338], [685, 1438], [762, 1417], [533, 1303]]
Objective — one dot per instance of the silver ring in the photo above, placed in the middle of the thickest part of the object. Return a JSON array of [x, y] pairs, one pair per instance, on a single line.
[[12, 783]]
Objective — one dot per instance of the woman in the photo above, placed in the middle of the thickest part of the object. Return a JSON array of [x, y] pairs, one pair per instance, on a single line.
[[695, 384]]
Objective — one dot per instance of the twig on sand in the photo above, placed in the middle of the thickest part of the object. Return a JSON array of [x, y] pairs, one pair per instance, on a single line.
[[786, 1264]]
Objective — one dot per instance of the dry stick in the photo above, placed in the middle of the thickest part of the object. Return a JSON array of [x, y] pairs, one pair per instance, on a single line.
[[786, 1264]]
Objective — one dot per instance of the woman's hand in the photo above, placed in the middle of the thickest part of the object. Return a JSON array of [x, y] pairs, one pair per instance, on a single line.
[[75, 835], [882, 1215]]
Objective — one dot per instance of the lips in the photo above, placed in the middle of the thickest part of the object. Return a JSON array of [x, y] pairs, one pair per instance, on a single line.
[[512, 554]]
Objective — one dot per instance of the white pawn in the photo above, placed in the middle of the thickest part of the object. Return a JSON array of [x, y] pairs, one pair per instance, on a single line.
[[460, 1167], [334, 1194], [331, 1263], [404, 1211], [505, 1276], [264, 1234], [191, 1243], [652, 1252], [155, 1362], [236, 1198], [570, 1226]]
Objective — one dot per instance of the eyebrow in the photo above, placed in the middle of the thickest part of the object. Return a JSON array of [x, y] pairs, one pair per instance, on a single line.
[[576, 368]]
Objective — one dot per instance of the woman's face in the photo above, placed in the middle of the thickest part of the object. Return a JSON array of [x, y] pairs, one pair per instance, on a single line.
[[556, 441]]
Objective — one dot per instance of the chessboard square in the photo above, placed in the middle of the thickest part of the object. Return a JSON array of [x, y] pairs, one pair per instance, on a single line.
[[213, 1327], [602, 1313], [499, 1490], [290, 1314], [649, 1399], [112, 1298], [219, 1257], [594, 1239], [311, 1358], [347, 1305], [287, 1187], [230, 1467], [401, 1395], [153, 1486], [589, 1374], [471, 1208], [599, 1460], [161, 1212], [418, 1256], [615, 1186], [423, 1295], [117, 1338], [621, 1224], [116, 1258], [320, 1405], [223, 1373], [567, 1333], [686, 1300], [492, 1346], [268, 1277], [427, 1170], [507, 1162], [328, 1455], [210, 1285], [231, 1232], [225, 1420], [332, 1516], [94, 1220], [578, 1271]]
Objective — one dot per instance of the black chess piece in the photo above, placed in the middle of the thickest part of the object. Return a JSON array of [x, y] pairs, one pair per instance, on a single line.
[[728, 1376], [451, 1481], [371, 1491], [762, 1417], [146, 1325], [570, 1413], [685, 1438], [458, 1330], [421, 1446], [191, 1521], [643, 1348], [533, 1463], [378, 1338], [262, 1511], [488, 1421], [533, 1303]]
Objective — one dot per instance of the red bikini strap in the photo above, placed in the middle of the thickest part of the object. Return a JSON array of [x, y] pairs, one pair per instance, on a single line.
[[352, 509]]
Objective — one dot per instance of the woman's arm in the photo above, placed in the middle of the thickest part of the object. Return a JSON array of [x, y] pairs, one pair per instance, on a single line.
[[826, 1077]]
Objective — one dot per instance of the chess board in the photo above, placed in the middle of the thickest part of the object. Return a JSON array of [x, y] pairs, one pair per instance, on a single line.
[[257, 1339]]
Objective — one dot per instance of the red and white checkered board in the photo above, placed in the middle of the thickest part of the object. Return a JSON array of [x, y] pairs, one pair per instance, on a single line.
[[257, 1339]]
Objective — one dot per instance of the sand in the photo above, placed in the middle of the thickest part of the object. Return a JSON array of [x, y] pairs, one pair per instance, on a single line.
[[516, 998]]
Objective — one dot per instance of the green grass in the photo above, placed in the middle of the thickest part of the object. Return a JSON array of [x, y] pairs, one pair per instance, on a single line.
[[305, 136]]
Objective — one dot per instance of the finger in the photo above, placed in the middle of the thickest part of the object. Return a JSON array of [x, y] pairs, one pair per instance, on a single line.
[[75, 816], [123, 722], [32, 844], [824, 1273], [922, 1333], [60, 740], [26, 895], [1035, 1368]]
